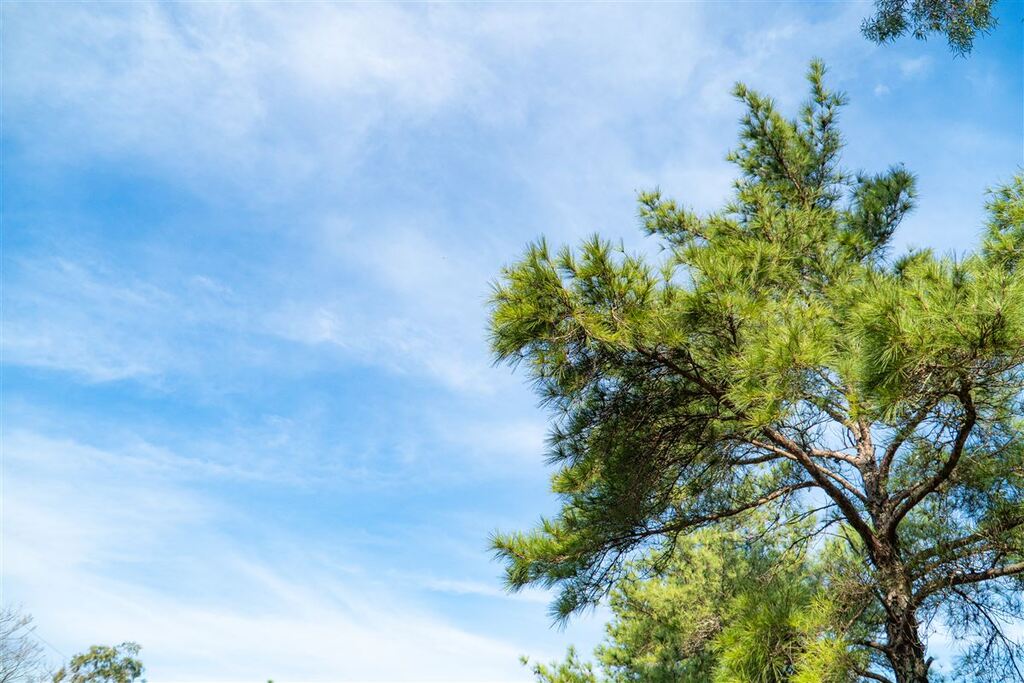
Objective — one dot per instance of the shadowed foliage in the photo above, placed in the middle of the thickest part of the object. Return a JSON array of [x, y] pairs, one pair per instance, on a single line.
[[961, 21]]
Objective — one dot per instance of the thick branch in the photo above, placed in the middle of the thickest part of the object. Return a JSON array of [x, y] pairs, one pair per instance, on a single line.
[[966, 578], [821, 476], [692, 522], [872, 675], [783, 453], [873, 644], [946, 551], [915, 494]]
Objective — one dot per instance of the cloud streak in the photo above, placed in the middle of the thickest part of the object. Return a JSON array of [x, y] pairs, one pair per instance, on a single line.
[[68, 538]]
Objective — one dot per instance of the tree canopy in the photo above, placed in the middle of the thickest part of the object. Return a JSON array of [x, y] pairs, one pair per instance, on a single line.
[[780, 358], [103, 664], [959, 20]]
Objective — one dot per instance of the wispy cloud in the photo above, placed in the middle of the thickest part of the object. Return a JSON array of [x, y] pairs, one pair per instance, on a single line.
[[84, 318], [915, 66], [228, 94], [266, 98], [119, 548]]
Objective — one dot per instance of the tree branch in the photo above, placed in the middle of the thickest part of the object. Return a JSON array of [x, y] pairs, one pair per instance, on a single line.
[[902, 435], [691, 522], [942, 550], [872, 675], [966, 578], [821, 476], [915, 494]]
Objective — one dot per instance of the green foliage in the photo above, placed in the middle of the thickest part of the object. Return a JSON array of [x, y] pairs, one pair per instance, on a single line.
[[570, 670], [730, 606], [779, 358], [103, 664], [959, 20]]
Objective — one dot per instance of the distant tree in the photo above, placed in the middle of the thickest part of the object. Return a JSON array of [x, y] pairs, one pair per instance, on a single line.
[[21, 655], [959, 20], [780, 357], [103, 664]]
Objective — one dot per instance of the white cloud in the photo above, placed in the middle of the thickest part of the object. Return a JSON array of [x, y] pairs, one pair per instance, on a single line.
[[915, 67], [99, 509], [223, 95], [419, 306], [104, 323], [369, 50], [272, 99], [489, 590], [310, 638], [517, 441], [409, 344], [228, 97]]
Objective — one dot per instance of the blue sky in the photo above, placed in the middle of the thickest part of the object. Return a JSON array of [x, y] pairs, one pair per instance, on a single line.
[[249, 415]]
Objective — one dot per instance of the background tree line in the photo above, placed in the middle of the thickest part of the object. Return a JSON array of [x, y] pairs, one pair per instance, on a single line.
[[23, 659]]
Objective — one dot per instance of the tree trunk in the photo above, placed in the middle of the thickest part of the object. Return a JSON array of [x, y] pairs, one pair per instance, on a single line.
[[906, 651]]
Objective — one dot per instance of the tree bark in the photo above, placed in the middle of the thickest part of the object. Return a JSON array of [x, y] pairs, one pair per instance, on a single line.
[[906, 651]]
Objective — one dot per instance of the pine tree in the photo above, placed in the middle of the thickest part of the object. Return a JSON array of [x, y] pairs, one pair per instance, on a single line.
[[780, 356]]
